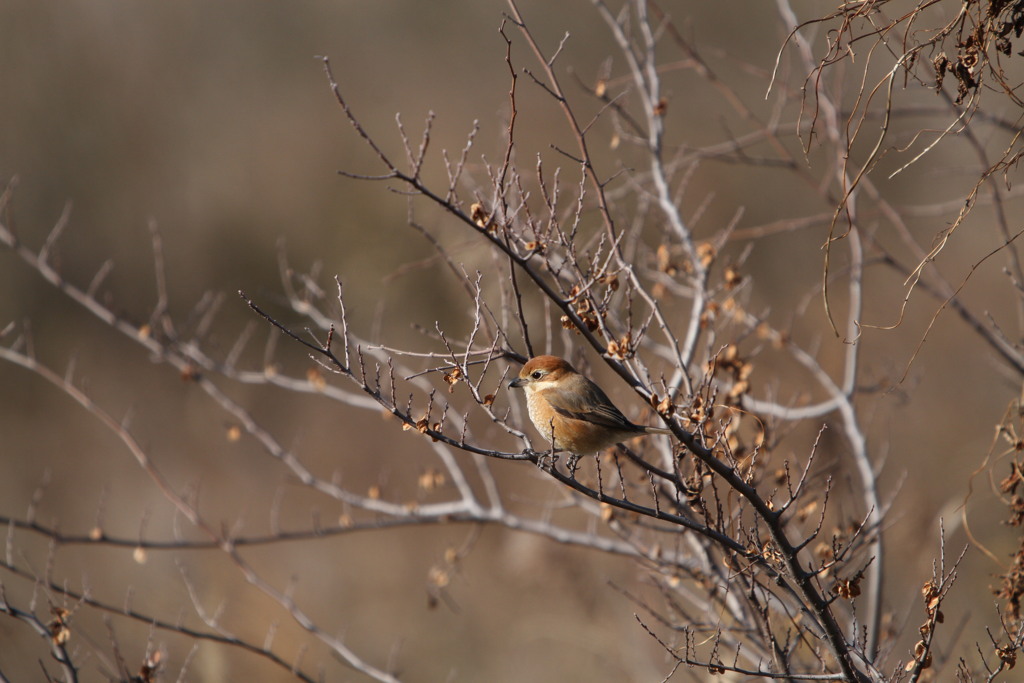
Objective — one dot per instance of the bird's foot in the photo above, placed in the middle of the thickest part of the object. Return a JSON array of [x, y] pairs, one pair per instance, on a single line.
[[547, 460], [572, 464]]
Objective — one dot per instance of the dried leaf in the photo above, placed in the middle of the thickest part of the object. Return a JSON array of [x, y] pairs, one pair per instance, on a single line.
[[431, 480], [60, 632], [479, 216], [316, 378], [452, 378]]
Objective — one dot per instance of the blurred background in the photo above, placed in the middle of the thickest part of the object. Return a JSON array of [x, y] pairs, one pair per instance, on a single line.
[[214, 123]]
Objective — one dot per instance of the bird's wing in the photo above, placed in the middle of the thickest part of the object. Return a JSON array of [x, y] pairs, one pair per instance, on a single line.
[[589, 404]]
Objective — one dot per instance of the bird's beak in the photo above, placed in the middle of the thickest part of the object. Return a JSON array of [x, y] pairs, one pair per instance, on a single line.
[[517, 383]]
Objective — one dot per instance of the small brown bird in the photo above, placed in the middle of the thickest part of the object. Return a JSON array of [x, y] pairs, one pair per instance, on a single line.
[[570, 410]]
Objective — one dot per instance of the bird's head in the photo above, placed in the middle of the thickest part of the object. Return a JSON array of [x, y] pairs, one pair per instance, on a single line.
[[542, 371]]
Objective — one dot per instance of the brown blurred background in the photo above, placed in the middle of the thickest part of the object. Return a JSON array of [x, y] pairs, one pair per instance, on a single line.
[[214, 122]]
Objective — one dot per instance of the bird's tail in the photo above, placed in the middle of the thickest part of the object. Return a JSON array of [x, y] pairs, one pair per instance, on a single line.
[[657, 430]]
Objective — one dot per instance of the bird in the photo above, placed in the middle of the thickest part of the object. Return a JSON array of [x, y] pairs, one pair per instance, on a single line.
[[572, 412]]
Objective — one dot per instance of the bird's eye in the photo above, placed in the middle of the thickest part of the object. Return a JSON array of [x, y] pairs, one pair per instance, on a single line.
[[537, 374]]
